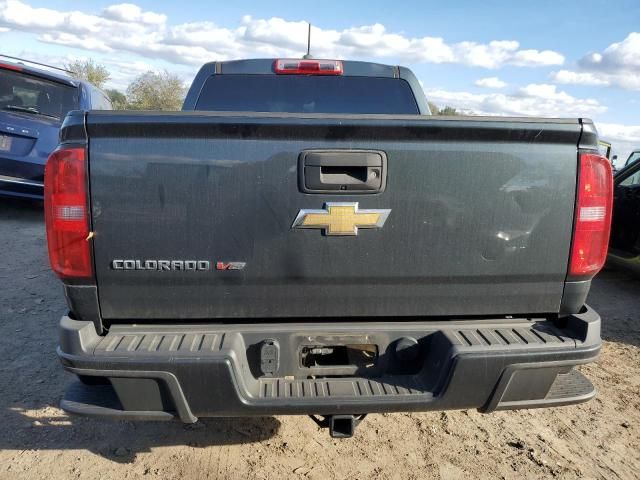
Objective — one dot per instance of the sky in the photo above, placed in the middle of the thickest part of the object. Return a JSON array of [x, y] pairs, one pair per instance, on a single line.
[[560, 58]]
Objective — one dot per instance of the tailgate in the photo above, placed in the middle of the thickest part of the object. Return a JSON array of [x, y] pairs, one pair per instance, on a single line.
[[479, 222]]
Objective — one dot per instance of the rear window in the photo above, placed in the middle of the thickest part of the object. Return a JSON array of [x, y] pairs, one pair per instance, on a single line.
[[21, 92], [307, 94]]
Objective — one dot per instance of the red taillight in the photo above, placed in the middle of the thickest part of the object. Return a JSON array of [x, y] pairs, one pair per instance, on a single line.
[[66, 213], [593, 215], [308, 67]]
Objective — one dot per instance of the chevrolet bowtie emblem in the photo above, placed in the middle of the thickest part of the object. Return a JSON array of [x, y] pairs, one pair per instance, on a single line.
[[340, 218]]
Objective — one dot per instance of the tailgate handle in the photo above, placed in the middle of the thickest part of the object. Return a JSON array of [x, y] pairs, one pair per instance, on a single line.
[[342, 171]]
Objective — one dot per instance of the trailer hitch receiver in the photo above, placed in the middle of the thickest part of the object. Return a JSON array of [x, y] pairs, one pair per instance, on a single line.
[[340, 426]]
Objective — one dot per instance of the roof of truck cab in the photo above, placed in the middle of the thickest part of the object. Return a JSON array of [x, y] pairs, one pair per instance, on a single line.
[[265, 66]]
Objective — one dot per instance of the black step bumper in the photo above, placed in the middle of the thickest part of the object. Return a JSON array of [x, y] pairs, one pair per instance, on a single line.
[[158, 372]]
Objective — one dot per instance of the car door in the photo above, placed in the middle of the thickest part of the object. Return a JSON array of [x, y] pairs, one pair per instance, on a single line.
[[625, 229]]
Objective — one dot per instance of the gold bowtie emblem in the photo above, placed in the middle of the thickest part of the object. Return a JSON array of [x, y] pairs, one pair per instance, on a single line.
[[340, 218]]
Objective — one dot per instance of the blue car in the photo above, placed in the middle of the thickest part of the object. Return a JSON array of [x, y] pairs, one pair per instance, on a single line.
[[33, 103]]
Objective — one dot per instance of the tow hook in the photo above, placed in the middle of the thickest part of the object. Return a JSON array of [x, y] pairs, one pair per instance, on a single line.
[[340, 426]]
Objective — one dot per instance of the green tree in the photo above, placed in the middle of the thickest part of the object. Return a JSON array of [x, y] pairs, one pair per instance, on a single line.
[[156, 91], [434, 108], [90, 71], [118, 99], [446, 110]]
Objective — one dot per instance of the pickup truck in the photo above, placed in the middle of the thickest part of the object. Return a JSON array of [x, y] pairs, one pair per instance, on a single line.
[[304, 238]]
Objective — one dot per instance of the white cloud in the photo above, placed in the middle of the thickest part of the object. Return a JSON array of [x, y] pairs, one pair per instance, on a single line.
[[578, 78], [533, 58], [620, 55], [617, 131], [128, 12], [490, 82], [128, 28], [540, 100], [624, 138], [618, 65]]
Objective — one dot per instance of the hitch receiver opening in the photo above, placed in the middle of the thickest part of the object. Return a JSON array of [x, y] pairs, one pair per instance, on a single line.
[[340, 426]]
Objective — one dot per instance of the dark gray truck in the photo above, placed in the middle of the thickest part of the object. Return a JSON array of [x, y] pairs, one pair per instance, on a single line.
[[304, 238]]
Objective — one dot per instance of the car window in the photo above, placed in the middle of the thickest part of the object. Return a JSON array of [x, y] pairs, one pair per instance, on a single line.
[[632, 180], [22, 92], [635, 156], [307, 94], [99, 101], [106, 103]]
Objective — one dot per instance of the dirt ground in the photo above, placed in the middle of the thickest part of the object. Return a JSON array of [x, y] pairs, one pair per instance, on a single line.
[[599, 439]]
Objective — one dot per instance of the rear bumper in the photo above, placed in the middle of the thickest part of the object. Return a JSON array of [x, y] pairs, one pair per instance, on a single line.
[[21, 187], [159, 372]]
